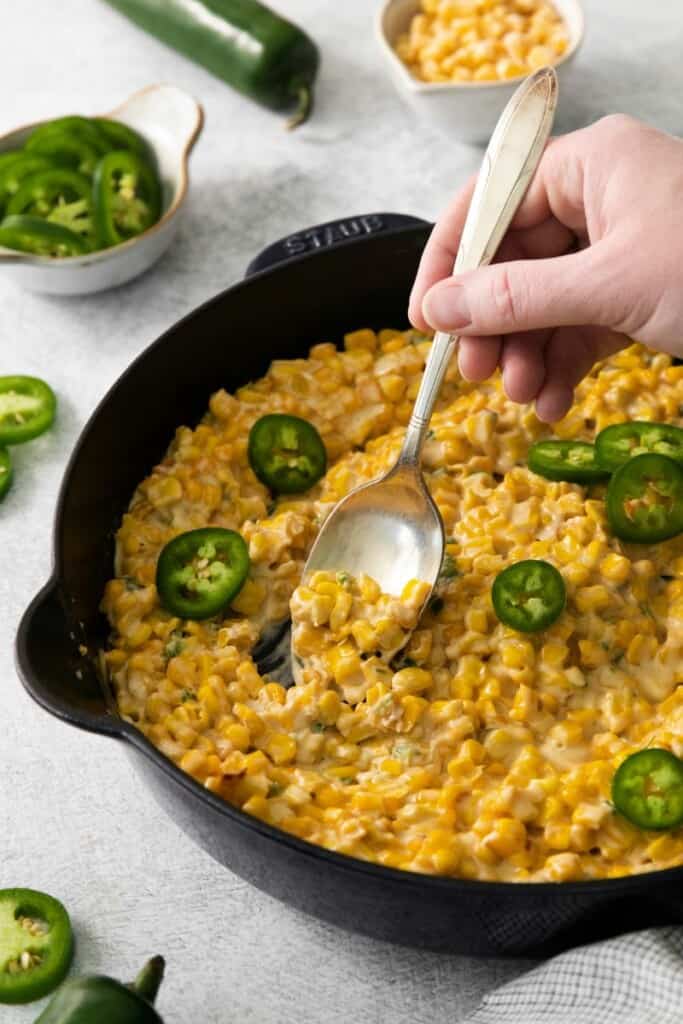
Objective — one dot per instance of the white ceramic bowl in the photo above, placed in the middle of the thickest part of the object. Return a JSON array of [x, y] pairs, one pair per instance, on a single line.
[[170, 121], [466, 111]]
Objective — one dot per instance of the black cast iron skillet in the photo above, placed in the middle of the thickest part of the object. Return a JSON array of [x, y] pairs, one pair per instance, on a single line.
[[306, 288]]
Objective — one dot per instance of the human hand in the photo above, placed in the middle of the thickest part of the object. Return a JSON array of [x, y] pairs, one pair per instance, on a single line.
[[595, 252]]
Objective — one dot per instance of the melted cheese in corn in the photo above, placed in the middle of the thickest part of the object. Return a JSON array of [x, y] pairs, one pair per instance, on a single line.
[[483, 753], [346, 632]]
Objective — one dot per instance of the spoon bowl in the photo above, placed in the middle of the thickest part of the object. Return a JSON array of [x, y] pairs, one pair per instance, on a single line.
[[389, 528]]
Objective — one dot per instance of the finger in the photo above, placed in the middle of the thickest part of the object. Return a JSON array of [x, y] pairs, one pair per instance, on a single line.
[[439, 253], [526, 295], [570, 354], [556, 191], [478, 357], [523, 364], [557, 187], [545, 240]]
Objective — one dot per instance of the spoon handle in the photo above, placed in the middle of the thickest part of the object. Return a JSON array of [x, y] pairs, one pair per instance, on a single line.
[[511, 158]]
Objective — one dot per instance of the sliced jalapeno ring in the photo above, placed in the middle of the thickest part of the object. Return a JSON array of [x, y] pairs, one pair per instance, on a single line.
[[617, 444], [84, 128], [8, 157], [120, 136], [127, 197], [42, 237], [647, 789], [574, 461], [16, 171], [36, 944], [65, 148], [645, 499], [27, 409], [286, 453], [201, 571], [528, 596], [61, 196], [5, 472]]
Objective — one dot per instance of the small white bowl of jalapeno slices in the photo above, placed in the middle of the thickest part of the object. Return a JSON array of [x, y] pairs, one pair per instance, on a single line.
[[88, 203]]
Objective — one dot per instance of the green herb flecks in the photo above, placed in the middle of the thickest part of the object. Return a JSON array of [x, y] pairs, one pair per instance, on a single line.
[[173, 646], [449, 568]]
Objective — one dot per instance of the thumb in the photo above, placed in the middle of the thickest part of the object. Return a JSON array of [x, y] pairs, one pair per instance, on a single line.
[[526, 295]]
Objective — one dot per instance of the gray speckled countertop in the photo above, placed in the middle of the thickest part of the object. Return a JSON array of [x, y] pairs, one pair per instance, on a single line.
[[74, 819]]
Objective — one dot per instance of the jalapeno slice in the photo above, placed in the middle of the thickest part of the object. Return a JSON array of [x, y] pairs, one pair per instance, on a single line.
[[127, 197], [84, 128], [27, 409], [9, 157], [617, 444], [645, 499], [42, 237], [64, 147], [574, 461], [59, 195], [286, 453], [120, 136], [201, 571], [5, 472], [647, 789], [528, 596], [16, 171], [36, 944]]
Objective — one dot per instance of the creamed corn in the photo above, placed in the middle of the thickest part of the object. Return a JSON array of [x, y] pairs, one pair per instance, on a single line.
[[482, 40], [476, 752]]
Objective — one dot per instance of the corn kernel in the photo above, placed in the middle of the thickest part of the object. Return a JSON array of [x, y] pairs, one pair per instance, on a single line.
[[281, 748]]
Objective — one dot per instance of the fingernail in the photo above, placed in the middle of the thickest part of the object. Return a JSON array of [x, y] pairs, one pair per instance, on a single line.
[[446, 308]]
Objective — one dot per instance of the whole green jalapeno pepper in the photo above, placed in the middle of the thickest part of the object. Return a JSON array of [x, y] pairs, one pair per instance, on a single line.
[[243, 42], [100, 1000]]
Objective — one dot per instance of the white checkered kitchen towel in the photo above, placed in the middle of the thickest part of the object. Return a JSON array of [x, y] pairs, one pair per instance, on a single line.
[[632, 979]]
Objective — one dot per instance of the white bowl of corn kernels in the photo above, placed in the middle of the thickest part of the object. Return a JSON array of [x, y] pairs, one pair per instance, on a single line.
[[457, 62]]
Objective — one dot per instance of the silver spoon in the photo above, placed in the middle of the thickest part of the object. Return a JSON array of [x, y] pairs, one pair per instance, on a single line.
[[390, 528]]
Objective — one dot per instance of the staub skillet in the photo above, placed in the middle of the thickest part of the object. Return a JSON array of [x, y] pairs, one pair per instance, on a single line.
[[306, 288]]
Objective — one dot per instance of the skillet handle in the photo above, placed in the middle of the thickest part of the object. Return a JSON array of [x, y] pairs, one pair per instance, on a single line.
[[333, 233], [56, 674]]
